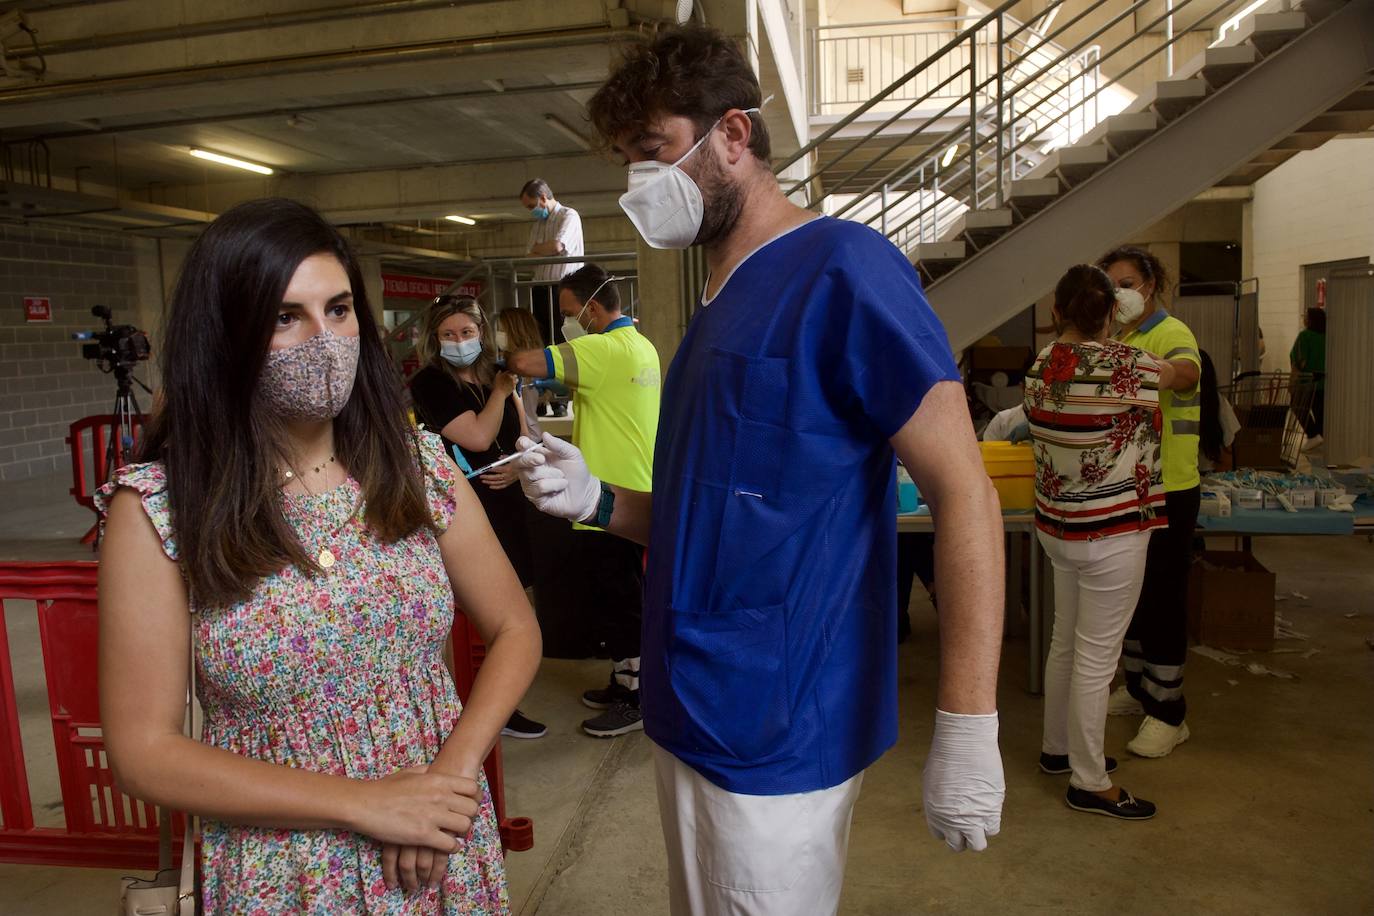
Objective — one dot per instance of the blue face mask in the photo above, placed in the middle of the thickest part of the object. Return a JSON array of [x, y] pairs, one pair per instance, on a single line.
[[461, 353], [540, 213]]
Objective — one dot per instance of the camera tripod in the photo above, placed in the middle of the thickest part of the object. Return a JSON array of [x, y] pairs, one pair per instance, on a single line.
[[126, 415]]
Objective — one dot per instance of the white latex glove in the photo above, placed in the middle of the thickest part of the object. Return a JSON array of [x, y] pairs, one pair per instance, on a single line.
[[963, 783], [556, 479]]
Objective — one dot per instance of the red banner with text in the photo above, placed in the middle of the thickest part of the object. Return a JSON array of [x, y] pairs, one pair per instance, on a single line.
[[403, 286]]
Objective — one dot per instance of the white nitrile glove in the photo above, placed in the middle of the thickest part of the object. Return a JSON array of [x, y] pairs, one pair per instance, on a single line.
[[557, 480], [963, 783]]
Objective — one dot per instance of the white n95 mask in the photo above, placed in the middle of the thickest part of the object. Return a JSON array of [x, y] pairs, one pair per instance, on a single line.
[[663, 201], [1130, 305]]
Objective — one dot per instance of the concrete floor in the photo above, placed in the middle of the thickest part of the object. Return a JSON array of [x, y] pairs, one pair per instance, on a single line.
[[1268, 809]]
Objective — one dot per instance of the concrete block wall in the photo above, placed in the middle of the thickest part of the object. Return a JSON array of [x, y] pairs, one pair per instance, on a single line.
[[45, 384], [1317, 206]]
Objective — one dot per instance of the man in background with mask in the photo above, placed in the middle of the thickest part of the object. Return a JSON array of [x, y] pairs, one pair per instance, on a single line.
[[557, 230], [613, 372], [769, 672]]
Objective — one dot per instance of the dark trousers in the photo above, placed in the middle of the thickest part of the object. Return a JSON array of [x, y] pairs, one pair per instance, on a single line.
[[611, 570], [1157, 640], [1316, 420], [915, 558]]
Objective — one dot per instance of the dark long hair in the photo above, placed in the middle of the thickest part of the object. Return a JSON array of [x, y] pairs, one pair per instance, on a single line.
[[1084, 298], [1209, 431], [222, 450]]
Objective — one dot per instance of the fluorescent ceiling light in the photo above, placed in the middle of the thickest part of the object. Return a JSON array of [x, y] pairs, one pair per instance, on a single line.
[[563, 128], [465, 220], [230, 160], [949, 156]]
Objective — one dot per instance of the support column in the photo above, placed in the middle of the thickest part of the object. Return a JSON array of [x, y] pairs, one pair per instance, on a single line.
[[663, 305], [371, 267]]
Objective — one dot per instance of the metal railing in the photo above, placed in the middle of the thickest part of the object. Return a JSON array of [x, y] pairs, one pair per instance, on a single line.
[[980, 111]]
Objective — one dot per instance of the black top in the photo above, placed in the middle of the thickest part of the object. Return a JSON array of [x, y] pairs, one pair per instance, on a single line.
[[439, 398]]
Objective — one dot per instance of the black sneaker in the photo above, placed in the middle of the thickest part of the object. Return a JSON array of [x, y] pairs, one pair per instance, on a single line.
[[1127, 807], [606, 697], [1058, 764], [521, 727], [622, 718]]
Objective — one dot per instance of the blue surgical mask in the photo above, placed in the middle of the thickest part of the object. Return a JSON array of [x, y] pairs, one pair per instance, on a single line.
[[461, 353], [540, 212]]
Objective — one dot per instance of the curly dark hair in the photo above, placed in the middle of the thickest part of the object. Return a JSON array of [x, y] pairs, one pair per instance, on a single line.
[[1146, 262], [692, 71]]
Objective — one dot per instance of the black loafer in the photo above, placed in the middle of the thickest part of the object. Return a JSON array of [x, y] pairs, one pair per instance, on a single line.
[[1127, 807], [1058, 764]]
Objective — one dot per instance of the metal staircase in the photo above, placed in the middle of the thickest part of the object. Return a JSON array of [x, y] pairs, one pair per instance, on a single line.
[[1052, 161]]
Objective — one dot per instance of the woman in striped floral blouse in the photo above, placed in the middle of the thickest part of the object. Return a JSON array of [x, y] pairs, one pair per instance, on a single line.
[[1094, 416]]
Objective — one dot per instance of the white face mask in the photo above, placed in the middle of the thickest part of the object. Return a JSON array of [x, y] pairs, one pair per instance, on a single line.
[[663, 201], [501, 340], [1130, 305], [572, 326]]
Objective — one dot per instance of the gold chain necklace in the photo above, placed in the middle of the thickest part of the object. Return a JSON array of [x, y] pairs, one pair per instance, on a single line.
[[325, 557], [290, 473]]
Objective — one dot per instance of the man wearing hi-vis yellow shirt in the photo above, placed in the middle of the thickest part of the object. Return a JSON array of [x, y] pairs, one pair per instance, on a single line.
[[613, 372]]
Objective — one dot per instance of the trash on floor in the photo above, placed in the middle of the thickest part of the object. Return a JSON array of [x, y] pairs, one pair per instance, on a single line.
[[1258, 669], [1235, 661], [1283, 629], [1299, 595]]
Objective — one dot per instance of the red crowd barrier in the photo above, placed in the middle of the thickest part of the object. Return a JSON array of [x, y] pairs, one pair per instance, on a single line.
[[104, 827], [517, 833], [89, 477]]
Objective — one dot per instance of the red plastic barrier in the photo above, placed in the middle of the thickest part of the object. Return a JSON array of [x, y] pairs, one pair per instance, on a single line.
[[517, 833], [86, 479], [104, 827]]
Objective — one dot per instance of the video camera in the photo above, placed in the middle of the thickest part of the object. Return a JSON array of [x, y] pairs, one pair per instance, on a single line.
[[118, 347]]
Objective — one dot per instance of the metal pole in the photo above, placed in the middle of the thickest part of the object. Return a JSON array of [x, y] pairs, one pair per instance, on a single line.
[[883, 214], [973, 119], [1169, 36], [1001, 197]]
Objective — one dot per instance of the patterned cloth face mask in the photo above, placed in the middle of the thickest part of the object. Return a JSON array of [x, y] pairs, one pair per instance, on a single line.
[[311, 380]]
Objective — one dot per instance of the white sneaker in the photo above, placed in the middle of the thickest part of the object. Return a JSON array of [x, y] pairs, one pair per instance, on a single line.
[[1314, 443], [1121, 703], [1156, 738]]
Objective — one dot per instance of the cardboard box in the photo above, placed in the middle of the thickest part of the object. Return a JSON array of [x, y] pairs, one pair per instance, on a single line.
[[1258, 448], [1231, 601]]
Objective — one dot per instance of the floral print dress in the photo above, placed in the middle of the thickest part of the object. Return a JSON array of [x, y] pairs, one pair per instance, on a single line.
[[343, 674]]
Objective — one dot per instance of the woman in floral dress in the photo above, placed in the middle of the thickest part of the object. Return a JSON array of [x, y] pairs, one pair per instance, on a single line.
[[318, 542], [1094, 416]]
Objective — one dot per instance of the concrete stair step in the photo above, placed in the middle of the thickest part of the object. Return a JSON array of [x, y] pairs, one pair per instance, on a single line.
[[1122, 131], [1218, 66], [1072, 164], [1171, 98], [1028, 196], [981, 227], [1267, 32], [935, 259]]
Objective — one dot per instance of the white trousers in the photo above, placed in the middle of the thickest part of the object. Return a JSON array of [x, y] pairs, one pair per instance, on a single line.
[[751, 855], [1096, 584]]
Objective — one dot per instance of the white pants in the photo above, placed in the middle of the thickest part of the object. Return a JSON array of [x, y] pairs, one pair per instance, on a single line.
[[751, 855], [1096, 584]]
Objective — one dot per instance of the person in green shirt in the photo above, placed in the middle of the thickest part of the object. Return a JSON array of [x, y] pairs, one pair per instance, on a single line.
[[1156, 642], [613, 372], [1308, 356]]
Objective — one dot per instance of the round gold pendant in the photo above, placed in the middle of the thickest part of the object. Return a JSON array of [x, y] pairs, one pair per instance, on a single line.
[[326, 558]]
